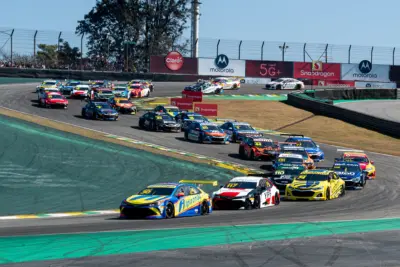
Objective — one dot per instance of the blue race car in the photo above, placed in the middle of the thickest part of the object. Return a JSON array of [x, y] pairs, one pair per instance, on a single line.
[[311, 147], [206, 132], [186, 118], [121, 91], [351, 173], [67, 88], [99, 111], [168, 200], [239, 130]]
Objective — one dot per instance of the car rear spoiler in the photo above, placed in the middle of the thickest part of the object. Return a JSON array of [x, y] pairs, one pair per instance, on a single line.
[[265, 174], [292, 135], [350, 150], [199, 182], [225, 120]]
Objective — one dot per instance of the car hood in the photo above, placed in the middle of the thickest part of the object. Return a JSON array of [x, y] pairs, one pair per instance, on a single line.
[[80, 91], [348, 175], [56, 100], [313, 150], [126, 105], [144, 199], [233, 193], [307, 184], [169, 121], [215, 132], [107, 110], [249, 132]]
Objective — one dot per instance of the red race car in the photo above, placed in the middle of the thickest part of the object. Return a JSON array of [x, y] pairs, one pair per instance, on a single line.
[[53, 100], [256, 148]]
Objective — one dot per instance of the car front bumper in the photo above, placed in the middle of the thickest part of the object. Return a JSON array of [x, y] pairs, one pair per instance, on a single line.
[[296, 194]]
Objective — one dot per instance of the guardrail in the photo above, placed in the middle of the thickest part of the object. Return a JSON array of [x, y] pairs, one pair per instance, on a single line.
[[319, 107]]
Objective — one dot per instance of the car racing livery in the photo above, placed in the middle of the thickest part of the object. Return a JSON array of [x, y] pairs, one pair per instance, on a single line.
[[122, 105], [361, 158], [99, 84], [168, 200], [248, 192], [206, 132], [311, 147], [156, 121], [138, 90], [308, 161], [171, 110], [48, 84], [205, 87], [285, 174], [53, 100], [285, 84], [288, 158], [99, 111], [186, 118], [103, 94], [227, 82], [239, 130], [80, 91], [258, 148], [351, 173], [121, 91], [67, 88], [44, 91], [315, 185], [146, 83]]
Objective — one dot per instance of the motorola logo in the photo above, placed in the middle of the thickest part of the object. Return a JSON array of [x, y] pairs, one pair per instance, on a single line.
[[365, 66], [221, 61]]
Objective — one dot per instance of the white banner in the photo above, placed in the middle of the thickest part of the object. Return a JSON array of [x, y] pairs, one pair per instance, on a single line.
[[375, 85], [365, 71], [222, 66], [255, 80]]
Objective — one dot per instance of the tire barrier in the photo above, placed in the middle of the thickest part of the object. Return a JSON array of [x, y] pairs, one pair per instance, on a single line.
[[319, 107], [353, 94]]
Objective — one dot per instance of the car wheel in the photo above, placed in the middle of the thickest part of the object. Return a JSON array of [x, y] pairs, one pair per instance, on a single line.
[[141, 124], [297, 87], [186, 136], [148, 94], [328, 194], [201, 140], [252, 157], [342, 191], [277, 199], [278, 87], [248, 205], [257, 202], [204, 210], [235, 87], [83, 113], [169, 211], [233, 138], [96, 116], [241, 152]]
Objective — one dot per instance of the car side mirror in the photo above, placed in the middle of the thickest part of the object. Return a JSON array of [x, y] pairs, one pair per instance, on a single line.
[[317, 145], [221, 186], [372, 162], [180, 194]]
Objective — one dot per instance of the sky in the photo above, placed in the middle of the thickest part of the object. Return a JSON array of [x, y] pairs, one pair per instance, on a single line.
[[341, 22]]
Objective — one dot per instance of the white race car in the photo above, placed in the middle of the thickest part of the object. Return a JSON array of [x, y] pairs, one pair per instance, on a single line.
[[246, 192], [48, 84], [80, 91], [285, 83], [205, 87], [227, 82]]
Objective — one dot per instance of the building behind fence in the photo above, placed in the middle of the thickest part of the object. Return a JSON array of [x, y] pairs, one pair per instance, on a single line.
[[19, 46]]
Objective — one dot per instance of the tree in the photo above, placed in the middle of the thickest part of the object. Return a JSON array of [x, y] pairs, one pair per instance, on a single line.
[[52, 56], [155, 26], [67, 55], [47, 54]]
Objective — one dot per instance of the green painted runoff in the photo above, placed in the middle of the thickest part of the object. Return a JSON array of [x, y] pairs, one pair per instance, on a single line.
[[43, 170], [67, 246]]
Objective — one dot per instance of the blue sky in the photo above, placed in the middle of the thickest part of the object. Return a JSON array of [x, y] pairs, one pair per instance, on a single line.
[[356, 22]]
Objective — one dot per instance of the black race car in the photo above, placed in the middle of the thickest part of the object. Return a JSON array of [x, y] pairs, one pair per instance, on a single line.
[[156, 121]]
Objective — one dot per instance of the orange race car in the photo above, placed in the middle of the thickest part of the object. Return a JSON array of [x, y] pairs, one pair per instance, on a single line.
[[256, 148], [308, 161], [122, 105]]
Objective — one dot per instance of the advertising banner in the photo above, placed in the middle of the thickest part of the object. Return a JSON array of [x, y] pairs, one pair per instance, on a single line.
[[173, 63], [221, 66], [206, 109], [182, 103], [375, 85], [196, 96], [340, 84], [255, 80], [365, 71], [269, 69], [316, 70]]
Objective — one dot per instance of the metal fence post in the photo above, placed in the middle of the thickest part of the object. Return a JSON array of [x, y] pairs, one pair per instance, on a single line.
[[394, 50], [326, 53], [219, 40], [34, 45], [195, 45], [240, 45], [372, 52], [82, 51], [262, 50], [349, 53], [58, 42], [304, 52], [11, 44], [283, 51]]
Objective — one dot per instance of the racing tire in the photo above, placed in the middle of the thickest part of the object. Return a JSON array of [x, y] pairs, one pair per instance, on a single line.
[[148, 94], [248, 205], [233, 138], [83, 114], [241, 152], [141, 126], [152, 126], [201, 139], [278, 87], [186, 136], [297, 87], [235, 87], [252, 157], [342, 191], [328, 194], [169, 211], [277, 200], [257, 202], [204, 209], [96, 116]]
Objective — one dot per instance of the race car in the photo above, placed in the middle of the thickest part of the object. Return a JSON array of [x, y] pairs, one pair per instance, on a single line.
[[284, 158], [53, 100], [121, 91], [227, 82], [103, 94], [255, 148], [308, 161], [205, 132], [362, 159], [186, 118], [156, 121], [168, 200], [80, 91], [99, 111], [139, 90], [67, 88], [315, 185], [171, 110], [351, 173], [239, 130], [285, 174], [311, 147], [43, 91], [249, 192], [99, 84], [48, 84], [146, 83], [285, 84], [283, 144], [122, 105], [206, 88]]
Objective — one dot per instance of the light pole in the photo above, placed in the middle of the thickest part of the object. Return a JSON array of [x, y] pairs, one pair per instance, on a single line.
[[283, 47], [11, 43]]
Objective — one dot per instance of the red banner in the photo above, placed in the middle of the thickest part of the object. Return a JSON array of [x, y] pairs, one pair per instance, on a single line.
[[170, 64], [334, 83], [182, 103], [196, 96], [206, 109], [317, 70], [269, 69]]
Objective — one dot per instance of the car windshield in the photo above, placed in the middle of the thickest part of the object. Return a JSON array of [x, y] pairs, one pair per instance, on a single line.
[[308, 144], [346, 168], [123, 101], [81, 88], [279, 80], [135, 86], [294, 172], [55, 97], [172, 109], [263, 144], [49, 83], [99, 83], [303, 153], [119, 89], [73, 83], [103, 105], [164, 117], [51, 90], [210, 127], [105, 92], [290, 160], [357, 159], [243, 127], [243, 185], [312, 177], [196, 117], [158, 191]]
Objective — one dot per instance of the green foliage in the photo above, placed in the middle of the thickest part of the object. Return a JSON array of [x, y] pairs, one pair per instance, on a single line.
[[51, 56], [156, 27]]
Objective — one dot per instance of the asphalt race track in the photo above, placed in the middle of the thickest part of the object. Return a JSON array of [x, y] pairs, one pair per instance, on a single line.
[[380, 198], [386, 109]]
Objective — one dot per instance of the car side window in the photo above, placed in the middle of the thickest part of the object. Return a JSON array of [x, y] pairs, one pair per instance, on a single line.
[[230, 126], [193, 190], [336, 177]]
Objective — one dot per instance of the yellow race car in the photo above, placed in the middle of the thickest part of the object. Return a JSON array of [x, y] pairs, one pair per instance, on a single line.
[[315, 185]]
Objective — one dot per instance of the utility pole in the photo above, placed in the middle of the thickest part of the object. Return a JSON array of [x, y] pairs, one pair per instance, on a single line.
[[195, 27]]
